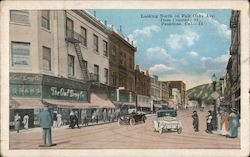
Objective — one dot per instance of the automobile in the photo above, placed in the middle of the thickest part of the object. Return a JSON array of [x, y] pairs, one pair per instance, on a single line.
[[167, 120], [132, 118]]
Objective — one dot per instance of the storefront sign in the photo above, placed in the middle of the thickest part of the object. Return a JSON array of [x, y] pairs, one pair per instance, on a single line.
[[52, 92], [23, 78], [25, 90]]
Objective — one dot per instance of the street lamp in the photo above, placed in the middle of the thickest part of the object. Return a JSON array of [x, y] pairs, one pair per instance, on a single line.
[[214, 78]]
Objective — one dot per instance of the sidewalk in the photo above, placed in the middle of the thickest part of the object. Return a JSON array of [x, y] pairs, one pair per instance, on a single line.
[[38, 129]]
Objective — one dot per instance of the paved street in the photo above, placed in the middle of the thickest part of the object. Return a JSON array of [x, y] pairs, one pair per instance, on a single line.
[[114, 136]]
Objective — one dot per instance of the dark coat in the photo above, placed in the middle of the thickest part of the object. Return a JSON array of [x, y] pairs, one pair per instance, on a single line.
[[45, 119], [195, 121]]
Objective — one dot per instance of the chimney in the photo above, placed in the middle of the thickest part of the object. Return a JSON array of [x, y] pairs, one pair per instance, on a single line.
[[94, 13]]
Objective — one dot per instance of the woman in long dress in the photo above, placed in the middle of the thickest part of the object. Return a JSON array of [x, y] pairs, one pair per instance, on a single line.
[[234, 123], [17, 119], [26, 121], [225, 124]]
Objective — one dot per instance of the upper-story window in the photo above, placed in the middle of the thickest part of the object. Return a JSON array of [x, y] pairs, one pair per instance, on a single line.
[[69, 27], [19, 16], [106, 74], [130, 63], [96, 72], [71, 65], [96, 47], [46, 58], [105, 48], [45, 19], [113, 53], [84, 36], [20, 54]]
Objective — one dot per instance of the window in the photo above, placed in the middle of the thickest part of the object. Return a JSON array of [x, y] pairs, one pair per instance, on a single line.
[[20, 16], [130, 63], [96, 48], [71, 65], [69, 27], [105, 48], [106, 74], [84, 36], [20, 54], [46, 59], [114, 78], [96, 72], [113, 53], [45, 19]]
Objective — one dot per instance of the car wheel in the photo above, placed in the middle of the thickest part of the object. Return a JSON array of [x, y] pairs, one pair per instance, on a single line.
[[143, 119], [132, 121], [161, 130], [179, 130]]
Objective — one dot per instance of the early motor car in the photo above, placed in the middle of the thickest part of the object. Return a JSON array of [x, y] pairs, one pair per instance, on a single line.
[[166, 120], [132, 118]]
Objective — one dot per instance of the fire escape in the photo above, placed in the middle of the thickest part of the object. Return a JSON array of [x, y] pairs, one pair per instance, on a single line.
[[76, 39]]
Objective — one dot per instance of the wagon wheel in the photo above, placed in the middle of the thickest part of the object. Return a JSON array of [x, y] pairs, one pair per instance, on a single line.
[[119, 121], [132, 121], [179, 130], [161, 130]]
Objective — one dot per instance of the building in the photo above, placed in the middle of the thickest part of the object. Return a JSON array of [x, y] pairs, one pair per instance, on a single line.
[[232, 95], [121, 66], [155, 93], [164, 92], [59, 59], [142, 88], [176, 97], [181, 86]]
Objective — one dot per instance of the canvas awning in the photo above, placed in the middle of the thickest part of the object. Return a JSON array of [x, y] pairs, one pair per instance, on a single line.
[[101, 100], [70, 104], [23, 103]]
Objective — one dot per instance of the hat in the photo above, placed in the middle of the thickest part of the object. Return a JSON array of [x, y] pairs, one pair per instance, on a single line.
[[234, 109], [210, 111], [194, 111]]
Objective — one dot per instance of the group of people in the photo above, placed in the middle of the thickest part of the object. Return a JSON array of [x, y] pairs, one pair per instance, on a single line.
[[227, 124], [18, 122], [57, 120]]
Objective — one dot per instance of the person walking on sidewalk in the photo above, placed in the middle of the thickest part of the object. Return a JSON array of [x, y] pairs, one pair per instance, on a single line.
[[71, 120], [225, 123], [26, 121], [195, 121], [46, 123], [17, 122], [54, 119], [234, 123], [209, 122], [59, 120], [76, 120]]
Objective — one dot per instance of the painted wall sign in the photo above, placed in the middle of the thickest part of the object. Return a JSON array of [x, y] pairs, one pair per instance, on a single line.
[[25, 90]]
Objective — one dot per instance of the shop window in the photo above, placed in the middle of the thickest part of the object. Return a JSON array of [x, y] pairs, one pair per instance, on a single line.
[[19, 16], [20, 54], [46, 58], [45, 19], [71, 65]]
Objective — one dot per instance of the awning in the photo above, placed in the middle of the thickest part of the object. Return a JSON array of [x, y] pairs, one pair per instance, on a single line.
[[101, 100], [70, 104], [23, 103]]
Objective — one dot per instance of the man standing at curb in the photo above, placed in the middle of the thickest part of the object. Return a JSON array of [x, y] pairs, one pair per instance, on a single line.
[[46, 123]]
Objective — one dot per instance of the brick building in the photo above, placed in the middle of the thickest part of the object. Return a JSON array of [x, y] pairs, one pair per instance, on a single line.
[[181, 86]]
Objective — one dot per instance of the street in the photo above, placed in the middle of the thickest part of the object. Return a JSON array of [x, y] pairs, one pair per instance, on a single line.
[[107, 136]]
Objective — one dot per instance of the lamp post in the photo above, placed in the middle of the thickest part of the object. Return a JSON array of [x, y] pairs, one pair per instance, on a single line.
[[214, 78]]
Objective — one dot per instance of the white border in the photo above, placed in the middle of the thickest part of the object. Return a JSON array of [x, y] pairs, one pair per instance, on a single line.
[[4, 61]]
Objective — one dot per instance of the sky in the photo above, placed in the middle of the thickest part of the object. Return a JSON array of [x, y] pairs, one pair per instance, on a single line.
[[174, 44]]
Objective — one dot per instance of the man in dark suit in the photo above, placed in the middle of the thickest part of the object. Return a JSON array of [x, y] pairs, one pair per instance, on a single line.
[[46, 123]]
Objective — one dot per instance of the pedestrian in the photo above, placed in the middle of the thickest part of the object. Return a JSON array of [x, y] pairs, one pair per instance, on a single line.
[[234, 123], [46, 123], [209, 122], [59, 120], [76, 120], [109, 115], [195, 121], [71, 120], [17, 119], [85, 120], [225, 123], [54, 119], [26, 121], [104, 115]]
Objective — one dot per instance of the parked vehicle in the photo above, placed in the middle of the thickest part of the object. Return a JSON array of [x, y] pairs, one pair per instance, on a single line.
[[166, 120], [132, 118]]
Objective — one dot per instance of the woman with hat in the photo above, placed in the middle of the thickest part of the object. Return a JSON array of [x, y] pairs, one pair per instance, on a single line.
[[234, 123], [225, 123]]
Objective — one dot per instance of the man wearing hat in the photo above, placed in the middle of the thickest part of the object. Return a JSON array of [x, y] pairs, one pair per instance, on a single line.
[[195, 121], [46, 123], [234, 123]]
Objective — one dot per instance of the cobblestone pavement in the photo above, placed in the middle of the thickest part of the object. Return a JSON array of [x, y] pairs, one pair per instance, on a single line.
[[111, 135]]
